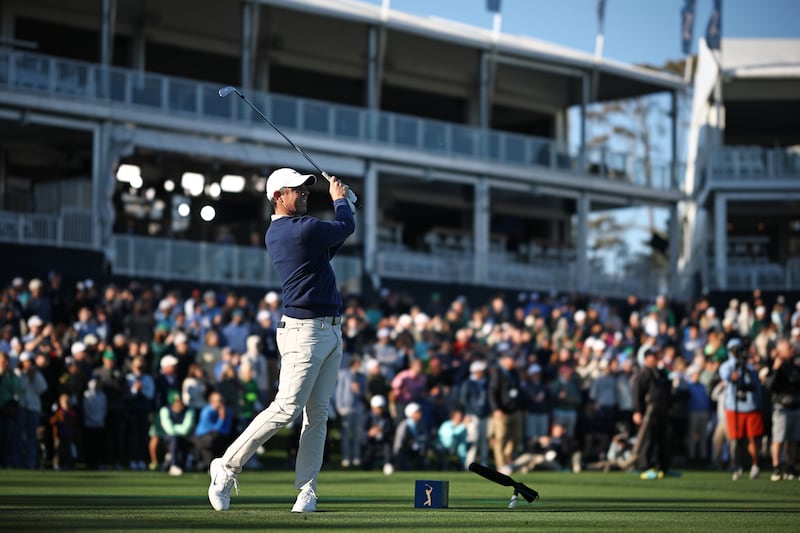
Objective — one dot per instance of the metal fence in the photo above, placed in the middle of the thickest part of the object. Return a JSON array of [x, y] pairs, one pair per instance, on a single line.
[[102, 85], [70, 228], [203, 262]]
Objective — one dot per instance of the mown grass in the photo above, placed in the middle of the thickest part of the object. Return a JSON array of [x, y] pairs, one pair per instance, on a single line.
[[370, 501]]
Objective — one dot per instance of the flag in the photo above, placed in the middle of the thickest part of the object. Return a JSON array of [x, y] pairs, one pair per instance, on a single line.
[[714, 28], [493, 5], [601, 14], [687, 25]]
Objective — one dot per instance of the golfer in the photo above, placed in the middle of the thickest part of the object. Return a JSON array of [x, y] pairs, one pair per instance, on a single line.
[[309, 335]]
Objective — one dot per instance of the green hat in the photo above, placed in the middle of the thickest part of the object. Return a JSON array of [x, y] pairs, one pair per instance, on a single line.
[[172, 396], [109, 354]]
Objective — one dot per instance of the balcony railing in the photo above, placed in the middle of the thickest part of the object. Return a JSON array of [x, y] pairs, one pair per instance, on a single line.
[[745, 162], [203, 262], [71, 228], [136, 90]]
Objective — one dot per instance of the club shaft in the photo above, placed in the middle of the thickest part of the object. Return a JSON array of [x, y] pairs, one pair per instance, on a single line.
[[287, 139]]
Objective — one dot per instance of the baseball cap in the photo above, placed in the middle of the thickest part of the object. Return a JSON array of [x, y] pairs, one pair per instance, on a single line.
[[271, 297], [534, 369], [34, 321], [168, 360], [78, 347], [263, 315], [377, 401], [180, 338], [172, 396], [287, 177], [34, 284], [25, 356], [411, 409], [477, 366]]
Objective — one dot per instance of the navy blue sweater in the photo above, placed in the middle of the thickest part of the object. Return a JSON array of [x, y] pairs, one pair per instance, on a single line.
[[301, 248]]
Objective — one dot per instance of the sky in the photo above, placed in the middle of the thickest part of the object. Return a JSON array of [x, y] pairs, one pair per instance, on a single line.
[[636, 31]]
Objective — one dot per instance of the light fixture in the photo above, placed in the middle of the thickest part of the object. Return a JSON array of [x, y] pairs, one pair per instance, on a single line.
[[136, 182], [125, 173], [214, 190], [193, 182], [232, 183], [150, 193], [183, 209], [169, 185], [208, 213]]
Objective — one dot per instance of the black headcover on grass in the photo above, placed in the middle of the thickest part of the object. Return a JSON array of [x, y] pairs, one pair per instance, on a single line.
[[493, 475]]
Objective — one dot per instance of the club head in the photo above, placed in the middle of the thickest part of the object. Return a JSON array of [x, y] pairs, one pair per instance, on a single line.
[[526, 492], [225, 91]]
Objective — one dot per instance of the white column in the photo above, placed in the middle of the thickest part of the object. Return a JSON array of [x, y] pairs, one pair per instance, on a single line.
[[721, 240], [582, 246], [481, 220], [674, 226], [250, 12], [369, 197]]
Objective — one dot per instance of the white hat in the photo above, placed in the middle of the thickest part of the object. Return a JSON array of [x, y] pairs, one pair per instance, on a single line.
[[168, 360], [795, 332], [25, 356], [377, 401], [263, 315], [760, 310], [287, 177], [371, 364], [384, 332], [90, 338], [19, 282], [420, 319], [180, 338], [34, 321], [477, 366], [34, 284], [580, 315], [411, 409], [534, 369], [271, 297], [77, 347]]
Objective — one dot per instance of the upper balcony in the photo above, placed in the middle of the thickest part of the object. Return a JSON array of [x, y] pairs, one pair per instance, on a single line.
[[54, 84]]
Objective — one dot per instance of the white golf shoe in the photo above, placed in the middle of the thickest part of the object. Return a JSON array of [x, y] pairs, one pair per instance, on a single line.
[[223, 481], [306, 501]]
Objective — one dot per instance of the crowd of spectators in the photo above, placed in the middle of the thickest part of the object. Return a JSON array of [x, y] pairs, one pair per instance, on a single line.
[[142, 377]]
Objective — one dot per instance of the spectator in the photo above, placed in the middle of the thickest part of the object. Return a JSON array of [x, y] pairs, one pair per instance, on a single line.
[[259, 367], [409, 386], [212, 431], [64, 423], [505, 402], [474, 400], [451, 439], [9, 410], [31, 387], [350, 402], [651, 397], [210, 354], [166, 381], [177, 423], [699, 407], [742, 409], [411, 440], [567, 398], [536, 401], [95, 409], [140, 396], [783, 383], [386, 354], [38, 304], [112, 382], [379, 433], [265, 329], [236, 332], [193, 389]]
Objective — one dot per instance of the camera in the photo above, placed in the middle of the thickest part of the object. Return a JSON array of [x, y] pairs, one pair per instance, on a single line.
[[738, 348]]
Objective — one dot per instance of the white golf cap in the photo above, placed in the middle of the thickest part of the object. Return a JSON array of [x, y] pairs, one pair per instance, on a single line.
[[168, 360], [411, 409], [77, 347], [34, 321], [377, 401], [477, 366], [287, 177]]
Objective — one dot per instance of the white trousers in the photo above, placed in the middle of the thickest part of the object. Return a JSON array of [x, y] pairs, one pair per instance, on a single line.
[[311, 352]]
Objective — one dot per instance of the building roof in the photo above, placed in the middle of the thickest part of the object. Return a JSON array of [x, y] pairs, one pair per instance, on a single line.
[[639, 80], [761, 58]]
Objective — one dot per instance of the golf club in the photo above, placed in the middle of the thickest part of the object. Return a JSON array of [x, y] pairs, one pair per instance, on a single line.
[[225, 91], [501, 479]]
